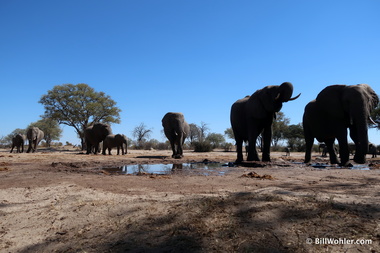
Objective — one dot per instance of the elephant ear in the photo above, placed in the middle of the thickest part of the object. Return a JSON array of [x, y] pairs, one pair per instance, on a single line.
[[260, 104]]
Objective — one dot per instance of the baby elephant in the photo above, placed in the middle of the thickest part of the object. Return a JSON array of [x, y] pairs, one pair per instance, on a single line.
[[112, 141], [18, 142]]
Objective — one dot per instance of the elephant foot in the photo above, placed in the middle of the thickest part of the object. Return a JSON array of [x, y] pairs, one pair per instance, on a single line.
[[238, 161], [346, 164], [177, 157], [255, 159], [266, 158], [335, 161], [359, 160]]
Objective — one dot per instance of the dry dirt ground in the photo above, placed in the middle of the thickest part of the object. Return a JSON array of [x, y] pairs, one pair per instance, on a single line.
[[65, 201]]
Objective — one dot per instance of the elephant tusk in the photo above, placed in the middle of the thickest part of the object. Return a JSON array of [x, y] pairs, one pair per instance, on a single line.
[[294, 98], [277, 97], [372, 121]]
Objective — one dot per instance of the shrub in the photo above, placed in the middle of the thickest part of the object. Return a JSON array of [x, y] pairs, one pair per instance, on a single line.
[[203, 146]]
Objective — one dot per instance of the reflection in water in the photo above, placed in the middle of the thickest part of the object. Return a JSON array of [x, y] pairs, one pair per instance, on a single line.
[[328, 166], [197, 168]]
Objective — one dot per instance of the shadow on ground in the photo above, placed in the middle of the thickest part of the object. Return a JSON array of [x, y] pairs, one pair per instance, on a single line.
[[259, 221]]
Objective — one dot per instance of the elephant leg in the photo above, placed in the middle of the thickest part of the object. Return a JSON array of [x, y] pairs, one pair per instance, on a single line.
[[252, 138], [34, 146], [343, 151], [89, 147], [252, 152], [331, 150], [309, 140], [267, 137], [96, 148], [118, 150], [104, 148], [239, 151], [12, 148], [179, 146], [309, 146], [173, 148]]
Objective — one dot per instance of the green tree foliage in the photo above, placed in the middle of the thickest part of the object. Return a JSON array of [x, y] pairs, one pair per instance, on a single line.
[[375, 115], [229, 133], [216, 140], [79, 106], [279, 127], [295, 137], [51, 129], [194, 133]]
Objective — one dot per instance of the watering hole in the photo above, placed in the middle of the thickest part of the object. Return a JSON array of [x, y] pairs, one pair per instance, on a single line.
[[199, 168], [207, 169], [328, 166]]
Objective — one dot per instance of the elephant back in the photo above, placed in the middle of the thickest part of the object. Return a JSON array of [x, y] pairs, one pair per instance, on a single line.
[[98, 132], [330, 100], [34, 132]]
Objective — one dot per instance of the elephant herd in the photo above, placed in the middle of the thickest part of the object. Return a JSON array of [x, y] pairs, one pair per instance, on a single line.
[[336, 109], [326, 118], [175, 127], [34, 136], [100, 132]]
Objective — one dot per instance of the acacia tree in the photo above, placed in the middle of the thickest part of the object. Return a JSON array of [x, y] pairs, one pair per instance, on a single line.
[[79, 106]]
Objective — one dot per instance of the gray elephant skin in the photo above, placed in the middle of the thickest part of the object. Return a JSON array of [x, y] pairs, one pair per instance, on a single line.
[[34, 136], [253, 115], [336, 109], [176, 129], [115, 141], [18, 142], [94, 135]]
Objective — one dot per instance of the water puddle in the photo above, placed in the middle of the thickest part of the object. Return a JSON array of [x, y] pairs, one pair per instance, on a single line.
[[206, 169], [328, 166]]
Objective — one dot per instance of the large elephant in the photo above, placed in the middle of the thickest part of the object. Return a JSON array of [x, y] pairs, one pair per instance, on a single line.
[[94, 135], [176, 130], [253, 115], [336, 108], [34, 136], [18, 142], [115, 141]]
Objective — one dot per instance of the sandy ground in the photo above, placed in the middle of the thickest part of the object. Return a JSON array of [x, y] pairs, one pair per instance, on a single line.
[[65, 201]]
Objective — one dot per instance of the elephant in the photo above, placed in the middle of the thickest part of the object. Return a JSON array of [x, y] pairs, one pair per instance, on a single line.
[[34, 136], [372, 149], [176, 129], [287, 151], [112, 141], [95, 134], [18, 142], [253, 115], [336, 109]]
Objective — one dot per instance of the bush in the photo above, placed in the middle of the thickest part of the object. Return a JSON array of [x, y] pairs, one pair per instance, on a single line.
[[227, 146], [203, 146]]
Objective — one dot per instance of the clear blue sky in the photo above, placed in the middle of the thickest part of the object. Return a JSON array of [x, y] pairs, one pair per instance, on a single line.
[[197, 57]]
